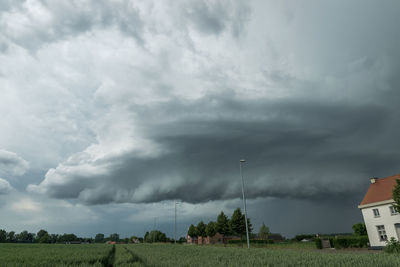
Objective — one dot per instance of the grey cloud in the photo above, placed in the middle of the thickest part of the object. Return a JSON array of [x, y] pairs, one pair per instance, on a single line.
[[324, 146], [213, 17], [49, 21], [12, 164], [5, 187]]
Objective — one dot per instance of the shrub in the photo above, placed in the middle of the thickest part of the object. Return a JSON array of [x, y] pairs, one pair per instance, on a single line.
[[350, 242], [252, 241], [393, 246], [318, 243]]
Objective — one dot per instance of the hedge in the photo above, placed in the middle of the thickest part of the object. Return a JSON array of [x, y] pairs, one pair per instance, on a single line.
[[252, 241], [318, 243], [345, 242]]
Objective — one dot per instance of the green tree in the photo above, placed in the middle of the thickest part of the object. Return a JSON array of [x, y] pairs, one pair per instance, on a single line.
[[23, 236], [43, 236], [238, 223], [396, 195], [264, 232], [211, 229], [3, 236], [192, 232], [114, 237], [359, 229], [11, 237], [99, 238], [201, 229], [223, 224], [156, 236]]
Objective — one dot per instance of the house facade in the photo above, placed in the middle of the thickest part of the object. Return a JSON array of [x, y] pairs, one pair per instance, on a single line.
[[381, 219]]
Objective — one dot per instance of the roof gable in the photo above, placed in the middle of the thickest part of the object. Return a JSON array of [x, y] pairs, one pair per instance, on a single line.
[[381, 190]]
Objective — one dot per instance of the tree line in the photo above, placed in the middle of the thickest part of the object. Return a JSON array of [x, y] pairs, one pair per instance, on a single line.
[[236, 225], [44, 237]]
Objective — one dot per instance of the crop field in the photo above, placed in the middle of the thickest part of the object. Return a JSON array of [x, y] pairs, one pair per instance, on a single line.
[[181, 255], [48, 255]]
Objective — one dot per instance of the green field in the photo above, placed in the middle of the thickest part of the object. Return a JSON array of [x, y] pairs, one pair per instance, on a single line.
[[182, 255]]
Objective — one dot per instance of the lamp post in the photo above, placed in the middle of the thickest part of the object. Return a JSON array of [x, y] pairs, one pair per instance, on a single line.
[[175, 222], [244, 202]]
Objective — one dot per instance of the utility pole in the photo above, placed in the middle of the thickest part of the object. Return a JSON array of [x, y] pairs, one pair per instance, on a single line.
[[154, 232], [244, 203], [175, 223]]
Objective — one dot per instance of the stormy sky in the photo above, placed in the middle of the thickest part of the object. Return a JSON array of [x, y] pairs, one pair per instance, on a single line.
[[112, 110]]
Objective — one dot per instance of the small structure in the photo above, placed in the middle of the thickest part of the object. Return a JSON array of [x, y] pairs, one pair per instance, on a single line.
[[216, 239], [381, 219], [191, 240]]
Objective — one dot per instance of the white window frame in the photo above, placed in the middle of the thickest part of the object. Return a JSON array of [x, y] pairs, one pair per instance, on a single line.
[[376, 212], [381, 232], [393, 211]]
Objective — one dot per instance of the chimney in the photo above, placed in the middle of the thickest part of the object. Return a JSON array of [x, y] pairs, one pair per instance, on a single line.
[[373, 180]]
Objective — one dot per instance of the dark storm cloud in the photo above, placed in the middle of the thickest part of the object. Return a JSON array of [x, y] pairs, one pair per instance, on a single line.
[[314, 120], [295, 149]]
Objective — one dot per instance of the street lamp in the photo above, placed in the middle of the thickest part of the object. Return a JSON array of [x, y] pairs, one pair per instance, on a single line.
[[175, 222], [244, 203]]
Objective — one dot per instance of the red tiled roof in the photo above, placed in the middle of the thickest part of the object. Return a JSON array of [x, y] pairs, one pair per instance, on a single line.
[[381, 190]]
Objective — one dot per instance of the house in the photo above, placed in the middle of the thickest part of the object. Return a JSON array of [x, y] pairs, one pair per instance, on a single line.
[[216, 239], [191, 240], [381, 219]]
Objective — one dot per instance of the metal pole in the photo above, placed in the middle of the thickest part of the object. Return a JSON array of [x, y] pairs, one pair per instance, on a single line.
[[175, 225], [244, 203]]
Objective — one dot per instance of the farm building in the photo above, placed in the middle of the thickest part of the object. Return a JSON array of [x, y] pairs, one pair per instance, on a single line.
[[381, 219], [216, 239]]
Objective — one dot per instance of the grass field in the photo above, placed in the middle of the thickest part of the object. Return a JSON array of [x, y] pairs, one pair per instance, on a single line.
[[181, 255]]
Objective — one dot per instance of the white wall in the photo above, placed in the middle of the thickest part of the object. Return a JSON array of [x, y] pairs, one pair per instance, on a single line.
[[385, 219]]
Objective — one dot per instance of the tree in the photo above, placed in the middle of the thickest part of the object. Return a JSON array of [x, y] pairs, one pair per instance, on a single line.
[[11, 237], [3, 236], [238, 223], [23, 236], [264, 232], [114, 237], [192, 232], [211, 229], [155, 236], [359, 229], [43, 236], [396, 195], [53, 238], [201, 229], [223, 224], [99, 238]]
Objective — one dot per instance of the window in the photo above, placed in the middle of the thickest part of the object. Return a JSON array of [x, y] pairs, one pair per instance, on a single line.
[[376, 212], [382, 232], [393, 211]]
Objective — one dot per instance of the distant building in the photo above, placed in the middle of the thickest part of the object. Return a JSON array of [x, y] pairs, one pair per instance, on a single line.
[[381, 219], [216, 239], [191, 240]]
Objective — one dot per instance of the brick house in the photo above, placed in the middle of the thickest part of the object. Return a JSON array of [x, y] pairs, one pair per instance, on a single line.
[[216, 239]]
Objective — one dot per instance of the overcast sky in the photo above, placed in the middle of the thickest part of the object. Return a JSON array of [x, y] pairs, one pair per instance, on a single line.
[[111, 110]]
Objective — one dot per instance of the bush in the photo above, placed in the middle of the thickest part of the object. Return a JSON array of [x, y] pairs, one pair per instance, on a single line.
[[349, 242], [318, 243], [252, 241], [393, 246]]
